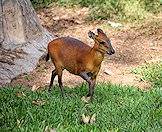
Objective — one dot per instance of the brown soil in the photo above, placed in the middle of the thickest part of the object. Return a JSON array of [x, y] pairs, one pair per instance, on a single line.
[[135, 44]]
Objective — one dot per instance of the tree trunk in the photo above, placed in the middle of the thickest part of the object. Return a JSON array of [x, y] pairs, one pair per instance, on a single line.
[[22, 39]]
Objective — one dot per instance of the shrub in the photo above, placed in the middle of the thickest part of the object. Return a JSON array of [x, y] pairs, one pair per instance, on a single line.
[[114, 9], [41, 3]]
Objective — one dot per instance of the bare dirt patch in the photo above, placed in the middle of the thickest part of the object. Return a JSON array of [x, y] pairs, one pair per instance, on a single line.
[[134, 46]]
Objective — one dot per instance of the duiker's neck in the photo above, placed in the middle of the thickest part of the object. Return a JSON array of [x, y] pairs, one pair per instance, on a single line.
[[98, 50], [97, 54]]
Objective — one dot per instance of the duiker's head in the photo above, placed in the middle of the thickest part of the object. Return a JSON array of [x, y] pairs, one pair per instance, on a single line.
[[103, 42]]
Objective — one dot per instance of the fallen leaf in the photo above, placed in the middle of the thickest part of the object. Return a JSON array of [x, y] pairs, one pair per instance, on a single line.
[[20, 94], [52, 130], [18, 123], [85, 99], [93, 119], [85, 119], [48, 129], [34, 88], [38, 102]]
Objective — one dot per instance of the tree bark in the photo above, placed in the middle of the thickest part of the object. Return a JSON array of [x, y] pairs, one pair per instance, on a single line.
[[22, 39]]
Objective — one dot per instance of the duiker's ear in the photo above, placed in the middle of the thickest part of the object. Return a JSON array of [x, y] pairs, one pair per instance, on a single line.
[[91, 34], [99, 31]]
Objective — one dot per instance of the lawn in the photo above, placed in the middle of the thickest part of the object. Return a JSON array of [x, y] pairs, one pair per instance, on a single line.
[[117, 108]]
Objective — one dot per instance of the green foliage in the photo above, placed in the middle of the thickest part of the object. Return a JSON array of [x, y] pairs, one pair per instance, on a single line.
[[117, 109], [151, 72], [127, 10], [151, 5], [114, 9], [41, 3]]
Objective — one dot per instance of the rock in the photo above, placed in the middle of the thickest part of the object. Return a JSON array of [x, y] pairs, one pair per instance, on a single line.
[[115, 25]]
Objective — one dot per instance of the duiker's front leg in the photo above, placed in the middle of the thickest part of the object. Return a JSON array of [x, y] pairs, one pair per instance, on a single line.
[[88, 77], [92, 84]]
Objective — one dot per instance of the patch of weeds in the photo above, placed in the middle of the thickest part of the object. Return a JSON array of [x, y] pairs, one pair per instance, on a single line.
[[151, 72]]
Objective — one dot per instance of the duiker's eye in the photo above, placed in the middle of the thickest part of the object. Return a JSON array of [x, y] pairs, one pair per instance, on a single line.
[[102, 42]]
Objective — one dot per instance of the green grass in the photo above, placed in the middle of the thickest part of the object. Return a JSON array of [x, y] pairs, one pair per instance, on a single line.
[[151, 72], [117, 109]]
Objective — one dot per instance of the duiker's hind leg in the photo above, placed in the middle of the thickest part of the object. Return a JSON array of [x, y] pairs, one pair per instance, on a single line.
[[59, 72], [52, 79]]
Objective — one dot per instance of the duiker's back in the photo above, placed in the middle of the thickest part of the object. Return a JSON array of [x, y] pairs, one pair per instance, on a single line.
[[68, 51]]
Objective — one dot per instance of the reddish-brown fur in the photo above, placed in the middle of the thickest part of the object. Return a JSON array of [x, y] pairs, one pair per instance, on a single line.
[[78, 58]]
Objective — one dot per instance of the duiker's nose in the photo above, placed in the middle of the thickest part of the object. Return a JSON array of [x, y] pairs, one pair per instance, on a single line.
[[112, 51]]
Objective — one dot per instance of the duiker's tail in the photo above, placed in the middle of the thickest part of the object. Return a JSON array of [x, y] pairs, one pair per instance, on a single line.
[[47, 57]]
